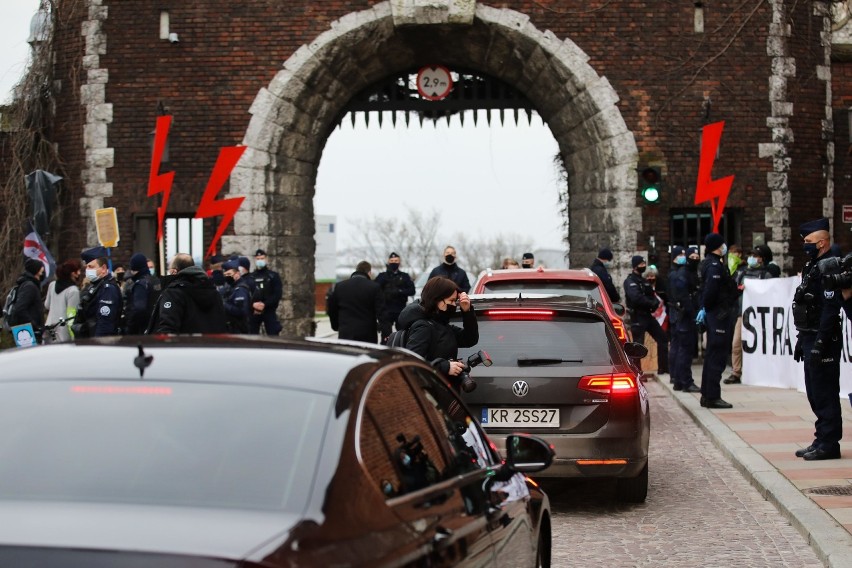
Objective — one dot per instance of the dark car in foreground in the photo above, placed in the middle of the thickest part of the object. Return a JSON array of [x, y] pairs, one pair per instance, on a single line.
[[559, 370], [239, 451]]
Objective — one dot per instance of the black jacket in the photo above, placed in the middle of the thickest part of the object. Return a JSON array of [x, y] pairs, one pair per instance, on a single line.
[[718, 289], [29, 305], [640, 297], [238, 304], [99, 314], [189, 304], [268, 288], [432, 337], [140, 299], [598, 268], [396, 287], [683, 288], [454, 273], [354, 307]]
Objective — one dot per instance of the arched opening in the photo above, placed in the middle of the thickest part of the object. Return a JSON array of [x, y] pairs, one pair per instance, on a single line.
[[293, 117]]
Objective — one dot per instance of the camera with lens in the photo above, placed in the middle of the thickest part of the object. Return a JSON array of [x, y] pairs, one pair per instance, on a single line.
[[478, 358], [837, 273]]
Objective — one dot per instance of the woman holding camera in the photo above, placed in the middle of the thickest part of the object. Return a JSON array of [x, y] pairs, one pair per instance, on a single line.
[[430, 334]]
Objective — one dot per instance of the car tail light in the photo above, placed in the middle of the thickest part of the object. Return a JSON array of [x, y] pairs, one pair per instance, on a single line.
[[617, 461], [521, 314], [609, 384], [619, 329]]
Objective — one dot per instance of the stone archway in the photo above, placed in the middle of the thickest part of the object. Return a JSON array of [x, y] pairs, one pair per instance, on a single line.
[[293, 116]]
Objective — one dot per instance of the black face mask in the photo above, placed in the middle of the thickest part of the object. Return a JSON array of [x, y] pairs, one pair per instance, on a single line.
[[692, 263], [449, 259], [641, 269], [229, 280], [450, 309], [393, 267], [119, 276]]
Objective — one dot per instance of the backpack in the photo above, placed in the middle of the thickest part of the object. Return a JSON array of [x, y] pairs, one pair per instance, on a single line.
[[9, 307], [397, 338]]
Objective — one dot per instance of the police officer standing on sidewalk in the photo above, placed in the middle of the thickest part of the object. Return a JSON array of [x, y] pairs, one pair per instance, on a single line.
[[100, 308], [396, 287], [641, 303], [268, 291], [682, 292], [816, 315], [718, 300]]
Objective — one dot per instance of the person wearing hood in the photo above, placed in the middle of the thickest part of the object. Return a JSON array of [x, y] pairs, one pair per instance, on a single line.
[[28, 307], [449, 269], [396, 287], [430, 333], [189, 302], [99, 314], [63, 297]]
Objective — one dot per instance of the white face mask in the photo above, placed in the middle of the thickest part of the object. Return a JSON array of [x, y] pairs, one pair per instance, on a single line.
[[260, 263], [152, 271], [92, 274]]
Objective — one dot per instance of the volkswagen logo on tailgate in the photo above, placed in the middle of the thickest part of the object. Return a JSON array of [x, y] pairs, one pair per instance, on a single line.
[[520, 388]]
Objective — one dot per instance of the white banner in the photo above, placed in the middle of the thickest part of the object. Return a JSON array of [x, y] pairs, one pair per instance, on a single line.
[[769, 337]]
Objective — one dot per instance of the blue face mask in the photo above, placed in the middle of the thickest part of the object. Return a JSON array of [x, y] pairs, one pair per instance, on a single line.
[[152, 271], [260, 264], [680, 260], [724, 249], [751, 261], [811, 249]]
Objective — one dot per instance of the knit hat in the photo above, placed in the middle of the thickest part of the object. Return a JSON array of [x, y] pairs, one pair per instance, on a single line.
[[691, 250], [244, 262], [713, 241], [33, 265], [138, 262], [636, 261], [677, 251], [605, 254], [763, 252]]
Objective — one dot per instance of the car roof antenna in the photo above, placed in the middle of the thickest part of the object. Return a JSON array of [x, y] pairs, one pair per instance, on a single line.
[[142, 361]]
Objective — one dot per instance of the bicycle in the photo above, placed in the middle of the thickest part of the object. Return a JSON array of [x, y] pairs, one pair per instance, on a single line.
[[49, 332]]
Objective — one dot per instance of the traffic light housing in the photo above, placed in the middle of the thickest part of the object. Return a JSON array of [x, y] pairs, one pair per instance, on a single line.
[[650, 184]]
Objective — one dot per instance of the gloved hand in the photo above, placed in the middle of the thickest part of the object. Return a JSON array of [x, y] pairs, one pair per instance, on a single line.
[[816, 350], [699, 319], [798, 353]]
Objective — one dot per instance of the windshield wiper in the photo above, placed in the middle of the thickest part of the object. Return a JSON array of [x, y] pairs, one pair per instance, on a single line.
[[534, 362]]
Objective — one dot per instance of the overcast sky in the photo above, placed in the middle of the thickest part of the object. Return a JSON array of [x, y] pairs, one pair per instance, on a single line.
[[483, 180]]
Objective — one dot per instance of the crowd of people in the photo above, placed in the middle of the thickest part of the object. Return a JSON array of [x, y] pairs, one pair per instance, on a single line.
[[93, 297]]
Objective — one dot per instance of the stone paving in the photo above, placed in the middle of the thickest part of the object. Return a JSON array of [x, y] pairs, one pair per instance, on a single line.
[[700, 510]]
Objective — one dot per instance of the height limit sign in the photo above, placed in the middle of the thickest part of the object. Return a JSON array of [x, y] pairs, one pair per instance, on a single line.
[[434, 82]]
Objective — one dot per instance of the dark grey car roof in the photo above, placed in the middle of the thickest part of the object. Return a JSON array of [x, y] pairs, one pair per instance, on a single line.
[[317, 365]]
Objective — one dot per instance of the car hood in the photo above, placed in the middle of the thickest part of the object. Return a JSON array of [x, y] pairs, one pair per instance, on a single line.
[[212, 533]]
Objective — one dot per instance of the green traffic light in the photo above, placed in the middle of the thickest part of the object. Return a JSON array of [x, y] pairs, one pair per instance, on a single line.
[[651, 194]]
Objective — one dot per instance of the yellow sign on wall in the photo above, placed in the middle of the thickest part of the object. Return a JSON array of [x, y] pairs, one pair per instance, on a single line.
[[106, 221]]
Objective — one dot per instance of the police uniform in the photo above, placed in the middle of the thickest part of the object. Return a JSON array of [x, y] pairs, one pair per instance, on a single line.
[[641, 303], [100, 308], [682, 309], [396, 287], [238, 303], [718, 299], [816, 315], [268, 289]]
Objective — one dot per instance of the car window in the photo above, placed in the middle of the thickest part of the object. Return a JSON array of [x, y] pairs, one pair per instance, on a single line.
[[570, 340], [574, 288], [397, 443], [156, 443]]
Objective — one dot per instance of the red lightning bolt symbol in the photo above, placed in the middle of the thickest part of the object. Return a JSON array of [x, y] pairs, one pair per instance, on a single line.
[[707, 189], [227, 208], [160, 183]]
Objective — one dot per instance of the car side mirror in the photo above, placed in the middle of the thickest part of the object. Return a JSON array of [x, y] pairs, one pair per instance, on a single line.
[[528, 454], [619, 309], [635, 350]]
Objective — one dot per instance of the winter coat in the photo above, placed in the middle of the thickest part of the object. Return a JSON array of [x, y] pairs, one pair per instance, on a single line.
[[353, 308], [641, 297], [396, 287], [28, 303], [432, 337], [238, 304], [99, 313], [598, 268], [189, 304], [454, 273], [61, 302]]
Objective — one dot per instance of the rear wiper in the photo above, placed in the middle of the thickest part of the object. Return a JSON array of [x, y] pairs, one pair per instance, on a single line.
[[527, 362]]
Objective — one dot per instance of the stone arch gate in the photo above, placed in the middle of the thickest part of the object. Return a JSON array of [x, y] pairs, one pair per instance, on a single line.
[[293, 117]]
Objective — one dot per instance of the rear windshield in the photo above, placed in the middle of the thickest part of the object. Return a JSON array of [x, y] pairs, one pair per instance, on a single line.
[[575, 288], [172, 444], [577, 340]]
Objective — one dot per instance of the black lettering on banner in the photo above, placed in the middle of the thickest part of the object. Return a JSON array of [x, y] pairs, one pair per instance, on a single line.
[[747, 315], [763, 311], [847, 338], [778, 329], [788, 346]]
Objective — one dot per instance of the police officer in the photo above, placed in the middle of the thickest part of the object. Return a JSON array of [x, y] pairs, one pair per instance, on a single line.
[[816, 317], [641, 303], [141, 292], [267, 295], [99, 313], [718, 300], [396, 287], [682, 310], [238, 303]]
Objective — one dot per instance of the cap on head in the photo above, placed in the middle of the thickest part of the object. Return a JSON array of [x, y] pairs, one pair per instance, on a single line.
[[33, 265], [91, 254], [138, 262], [677, 251], [763, 252], [231, 265], [605, 254], [806, 229], [713, 241], [636, 261], [244, 262], [392, 255], [260, 252], [691, 250], [528, 256]]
